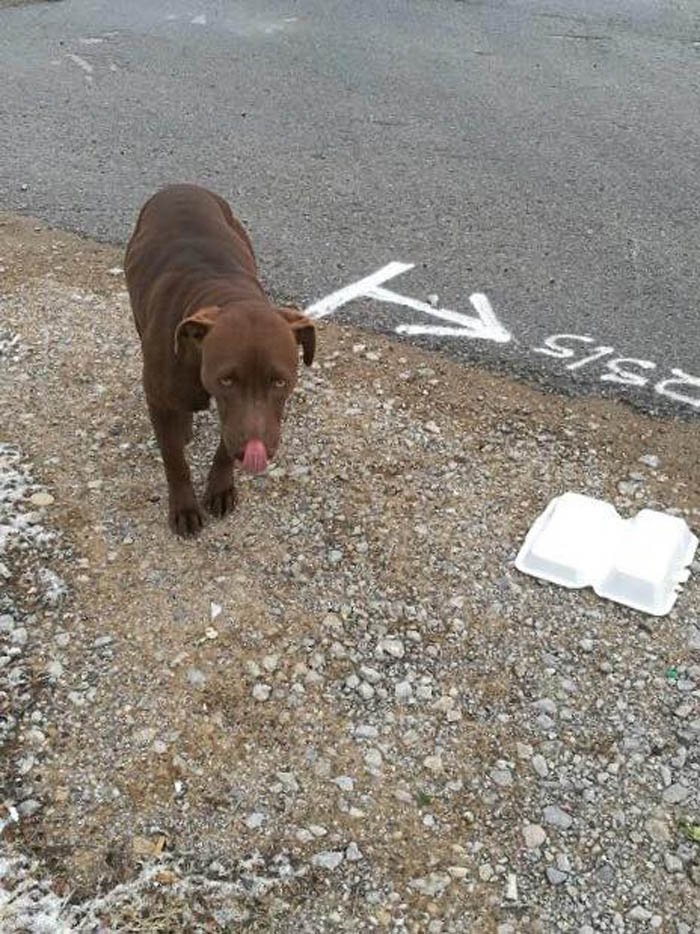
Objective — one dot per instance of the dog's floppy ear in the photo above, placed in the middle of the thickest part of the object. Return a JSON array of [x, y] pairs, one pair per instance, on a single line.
[[196, 326], [304, 331]]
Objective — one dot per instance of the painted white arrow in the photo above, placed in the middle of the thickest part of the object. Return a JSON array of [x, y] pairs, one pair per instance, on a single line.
[[484, 327], [329, 304]]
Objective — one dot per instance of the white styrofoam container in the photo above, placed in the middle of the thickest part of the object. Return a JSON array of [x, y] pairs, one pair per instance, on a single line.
[[579, 541]]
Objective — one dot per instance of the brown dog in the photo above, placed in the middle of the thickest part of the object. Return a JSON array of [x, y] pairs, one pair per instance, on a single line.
[[208, 329]]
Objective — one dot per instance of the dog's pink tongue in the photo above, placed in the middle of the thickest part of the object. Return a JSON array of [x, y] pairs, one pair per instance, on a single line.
[[254, 457]]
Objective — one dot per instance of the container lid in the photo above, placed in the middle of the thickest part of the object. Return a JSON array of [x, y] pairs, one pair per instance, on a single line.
[[579, 541]]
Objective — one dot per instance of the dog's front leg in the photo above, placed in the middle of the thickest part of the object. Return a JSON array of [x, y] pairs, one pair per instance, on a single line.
[[173, 431], [220, 496]]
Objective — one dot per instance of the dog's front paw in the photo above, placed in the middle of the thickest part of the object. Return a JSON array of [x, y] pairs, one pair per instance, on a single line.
[[186, 521], [219, 502]]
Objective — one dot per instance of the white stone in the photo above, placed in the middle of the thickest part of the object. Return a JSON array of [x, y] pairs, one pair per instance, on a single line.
[[511, 892], [41, 499], [403, 691], [353, 853], [373, 759], [432, 885], [534, 836], [554, 815], [393, 647], [261, 692], [433, 763], [328, 859]]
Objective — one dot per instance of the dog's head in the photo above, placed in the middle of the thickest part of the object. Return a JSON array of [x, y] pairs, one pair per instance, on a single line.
[[248, 363]]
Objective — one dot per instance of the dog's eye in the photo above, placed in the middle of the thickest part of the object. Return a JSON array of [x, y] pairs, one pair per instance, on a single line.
[[226, 381], [279, 383]]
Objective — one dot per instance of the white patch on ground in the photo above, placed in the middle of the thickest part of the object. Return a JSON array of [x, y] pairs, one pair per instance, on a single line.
[[81, 63], [28, 904], [20, 524], [11, 350], [53, 586]]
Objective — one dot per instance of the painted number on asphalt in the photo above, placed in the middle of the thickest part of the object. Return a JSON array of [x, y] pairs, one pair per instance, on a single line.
[[627, 371]]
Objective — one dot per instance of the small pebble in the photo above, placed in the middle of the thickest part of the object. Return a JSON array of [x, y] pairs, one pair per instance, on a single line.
[[539, 764], [261, 691], [370, 675], [432, 885], [557, 817], [373, 759], [328, 859], [28, 808], [555, 876], [41, 499], [534, 836], [366, 731], [196, 677], [403, 691], [366, 691], [675, 794], [433, 763], [650, 460], [547, 706], [393, 647], [511, 892], [502, 777], [353, 853]]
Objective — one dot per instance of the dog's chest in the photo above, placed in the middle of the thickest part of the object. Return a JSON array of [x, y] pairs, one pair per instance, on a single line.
[[200, 401]]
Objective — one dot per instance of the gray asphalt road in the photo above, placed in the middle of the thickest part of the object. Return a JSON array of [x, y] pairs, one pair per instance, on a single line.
[[543, 152]]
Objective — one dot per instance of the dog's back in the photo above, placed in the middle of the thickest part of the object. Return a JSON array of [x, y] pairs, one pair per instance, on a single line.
[[187, 234]]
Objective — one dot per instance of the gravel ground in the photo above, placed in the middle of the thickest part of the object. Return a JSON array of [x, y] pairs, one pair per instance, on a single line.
[[343, 708]]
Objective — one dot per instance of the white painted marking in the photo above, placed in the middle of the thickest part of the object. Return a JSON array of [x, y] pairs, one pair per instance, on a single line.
[[682, 387], [684, 379], [200, 20], [334, 301], [553, 348], [618, 369], [618, 374], [81, 63], [597, 355], [484, 327]]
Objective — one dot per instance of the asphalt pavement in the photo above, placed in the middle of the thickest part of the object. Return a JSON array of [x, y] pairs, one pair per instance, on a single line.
[[542, 154]]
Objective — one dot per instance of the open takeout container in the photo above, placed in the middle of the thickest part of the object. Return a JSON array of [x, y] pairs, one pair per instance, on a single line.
[[579, 541]]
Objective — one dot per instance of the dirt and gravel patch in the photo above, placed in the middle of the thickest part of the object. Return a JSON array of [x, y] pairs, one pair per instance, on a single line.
[[343, 707]]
